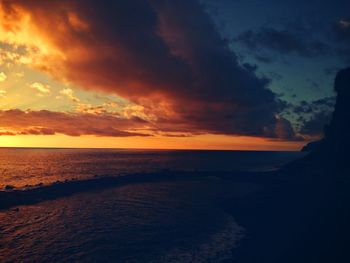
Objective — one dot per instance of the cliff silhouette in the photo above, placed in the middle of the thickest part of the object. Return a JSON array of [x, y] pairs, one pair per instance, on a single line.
[[333, 150], [303, 209]]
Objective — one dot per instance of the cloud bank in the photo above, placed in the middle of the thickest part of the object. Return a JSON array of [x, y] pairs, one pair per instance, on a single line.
[[18, 122], [166, 56]]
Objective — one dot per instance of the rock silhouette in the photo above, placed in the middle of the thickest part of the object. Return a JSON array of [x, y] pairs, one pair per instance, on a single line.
[[333, 150], [337, 143], [312, 146]]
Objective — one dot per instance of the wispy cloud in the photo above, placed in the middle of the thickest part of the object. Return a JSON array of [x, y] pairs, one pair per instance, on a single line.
[[69, 93], [3, 76], [43, 89], [2, 93]]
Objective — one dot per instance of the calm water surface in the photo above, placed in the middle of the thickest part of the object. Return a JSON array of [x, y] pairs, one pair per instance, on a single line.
[[21, 167], [177, 221]]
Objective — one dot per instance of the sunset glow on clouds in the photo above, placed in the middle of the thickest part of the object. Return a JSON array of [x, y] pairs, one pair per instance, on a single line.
[[128, 68]]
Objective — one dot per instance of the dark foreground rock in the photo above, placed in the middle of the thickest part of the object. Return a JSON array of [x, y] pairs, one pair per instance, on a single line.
[[312, 146], [302, 214]]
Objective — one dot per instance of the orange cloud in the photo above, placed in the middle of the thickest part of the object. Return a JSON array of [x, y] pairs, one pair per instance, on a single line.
[[164, 56], [17, 122], [41, 88], [3, 76]]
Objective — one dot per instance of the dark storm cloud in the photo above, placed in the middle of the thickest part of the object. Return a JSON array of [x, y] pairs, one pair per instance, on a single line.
[[283, 41], [167, 56], [326, 103], [312, 116], [303, 37], [286, 131], [315, 125]]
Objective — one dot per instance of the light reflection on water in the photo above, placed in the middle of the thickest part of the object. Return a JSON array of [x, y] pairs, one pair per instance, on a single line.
[[21, 167]]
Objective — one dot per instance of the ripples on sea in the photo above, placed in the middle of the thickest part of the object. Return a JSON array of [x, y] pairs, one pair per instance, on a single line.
[[169, 221], [20, 167]]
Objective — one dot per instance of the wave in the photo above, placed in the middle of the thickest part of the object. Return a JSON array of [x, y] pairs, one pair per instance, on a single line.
[[216, 248], [38, 193]]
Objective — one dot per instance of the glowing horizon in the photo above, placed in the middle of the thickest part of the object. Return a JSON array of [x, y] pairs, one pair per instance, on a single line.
[[201, 142]]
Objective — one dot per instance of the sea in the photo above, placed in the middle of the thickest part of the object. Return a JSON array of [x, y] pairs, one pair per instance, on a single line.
[[148, 221]]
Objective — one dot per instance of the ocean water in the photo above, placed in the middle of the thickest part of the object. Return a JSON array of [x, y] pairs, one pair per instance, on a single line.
[[155, 221], [22, 167]]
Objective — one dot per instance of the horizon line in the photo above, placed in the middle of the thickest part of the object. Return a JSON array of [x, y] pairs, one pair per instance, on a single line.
[[132, 148]]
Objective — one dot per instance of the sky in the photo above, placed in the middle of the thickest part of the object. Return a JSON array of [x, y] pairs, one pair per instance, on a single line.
[[194, 74]]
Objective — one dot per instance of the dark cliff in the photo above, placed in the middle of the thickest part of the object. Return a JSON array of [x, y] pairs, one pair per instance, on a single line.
[[333, 151], [336, 144]]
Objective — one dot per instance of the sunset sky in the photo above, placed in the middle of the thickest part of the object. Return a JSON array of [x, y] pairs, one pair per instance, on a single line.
[[193, 74]]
